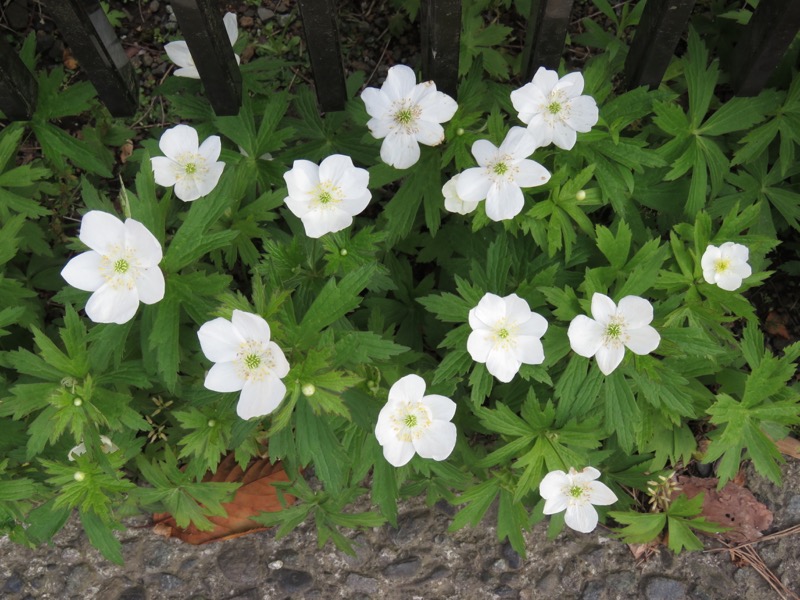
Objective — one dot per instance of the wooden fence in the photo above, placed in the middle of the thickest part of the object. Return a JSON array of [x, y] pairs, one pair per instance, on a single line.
[[92, 40]]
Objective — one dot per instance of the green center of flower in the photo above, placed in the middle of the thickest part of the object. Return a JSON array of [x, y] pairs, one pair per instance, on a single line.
[[722, 265], [500, 168], [503, 334], [325, 197], [404, 116], [554, 108], [410, 421], [576, 491], [190, 168], [614, 330], [252, 361], [121, 266]]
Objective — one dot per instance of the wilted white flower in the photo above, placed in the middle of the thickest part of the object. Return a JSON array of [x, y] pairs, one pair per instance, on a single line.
[[245, 359], [554, 109], [328, 196], [612, 329], [406, 114], [121, 268], [412, 422], [726, 266], [192, 168], [505, 334], [575, 492], [178, 52], [107, 446], [452, 201], [501, 174]]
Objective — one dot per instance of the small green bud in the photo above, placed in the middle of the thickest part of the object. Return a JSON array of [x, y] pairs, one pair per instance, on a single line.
[[460, 131], [79, 476], [212, 423], [343, 252], [308, 389], [580, 196], [77, 401]]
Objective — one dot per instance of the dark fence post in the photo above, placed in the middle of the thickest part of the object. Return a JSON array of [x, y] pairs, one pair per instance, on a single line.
[[547, 30], [204, 31], [17, 85], [322, 41], [658, 33], [92, 40], [763, 43], [441, 35]]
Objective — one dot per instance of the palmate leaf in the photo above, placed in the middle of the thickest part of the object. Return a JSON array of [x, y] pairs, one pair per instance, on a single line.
[[639, 528]]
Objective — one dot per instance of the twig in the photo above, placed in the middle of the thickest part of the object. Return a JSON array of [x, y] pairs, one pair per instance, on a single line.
[[377, 64]]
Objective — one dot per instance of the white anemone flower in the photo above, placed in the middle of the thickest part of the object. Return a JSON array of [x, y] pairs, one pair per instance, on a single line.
[[245, 359], [505, 334], [406, 114], [328, 196], [726, 266], [121, 267], [411, 422], [191, 167], [107, 446], [613, 329], [554, 109], [178, 52], [576, 492], [453, 202], [502, 173]]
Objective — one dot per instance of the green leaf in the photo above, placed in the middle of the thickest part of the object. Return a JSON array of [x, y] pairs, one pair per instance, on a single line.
[[621, 412], [740, 113], [101, 537], [615, 247], [639, 528], [512, 520], [57, 144]]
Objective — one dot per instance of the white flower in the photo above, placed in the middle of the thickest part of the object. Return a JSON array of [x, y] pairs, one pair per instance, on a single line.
[[726, 266], [576, 492], [406, 114], [453, 202], [612, 329], [505, 334], [121, 268], [192, 168], [326, 197], [554, 109], [245, 359], [501, 174], [412, 422], [178, 52], [107, 447]]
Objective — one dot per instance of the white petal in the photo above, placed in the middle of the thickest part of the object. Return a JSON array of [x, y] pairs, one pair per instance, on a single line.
[[519, 143], [600, 494], [83, 271], [144, 244], [572, 84], [517, 309], [637, 311], [437, 442], [302, 179], [429, 133], [188, 72], [380, 127], [210, 148], [585, 336], [710, 257], [473, 184], [209, 181], [224, 377], [552, 485], [531, 174], [582, 518], [383, 427], [504, 201], [334, 167], [479, 344], [564, 136], [609, 358], [441, 407], [219, 340], [397, 453], [603, 308], [178, 53], [583, 114], [317, 223], [542, 130], [586, 475], [259, 398], [250, 326], [535, 326], [187, 189], [484, 152], [354, 182], [165, 170], [110, 305], [554, 505], [437, 107], [150, 285], [503, 364], [490, 309], [400, 82], [529, 350], [457, 205], [355, 205], [643, 340], [376, 102], [410, 388], [545, 80], [728, 281], [280, 364], [400, 150], [738, 252], [178, 140], [102, 232], [527, 100], [231, 27]]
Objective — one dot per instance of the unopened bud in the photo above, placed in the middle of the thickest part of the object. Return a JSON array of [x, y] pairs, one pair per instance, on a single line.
[[77, 401], [460, 131], [343, 252], [79, 476], [212, 423], [580, 196], [308, 389]]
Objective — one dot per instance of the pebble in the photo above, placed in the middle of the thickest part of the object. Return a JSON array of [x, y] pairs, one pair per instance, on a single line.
[[13, 584], [17, 14], [275, 565], [154, 6], [359, 583], [664, 588], [512, 558], [239, 562], [403, 568], [264, 14], [293, 581], [134, 593]]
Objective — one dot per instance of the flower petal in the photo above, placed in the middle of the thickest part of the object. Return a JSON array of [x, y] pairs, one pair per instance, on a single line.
[[165, 170], [473, 184], [442, 408], [480, 344], [178, 140], [583, 114], [400, 82], [504, 201], [603, 308], [250, 326], [490, 309], [376, 102], [210, 179], [535, 326], [280, 366], [102, 232], [529, 350], [112, 305], [178, 52], [554, 505], [186, 189], [582, 518], [259, 398], [210, 148], [188, 72], [400, 150], [334, 168], [429, 133], [600, 494], [437, 107], [145, 245], [519, 143], [637, 311], [545, 80], [150, 285], [302, 179], [517, 309], [219, 340], [552, 485], [585, 336], [231, 27], [643, 340], [503, 364], [224, 377], [572, 84], [398, 453], [609, 357], [531, 174], [410, 388], [437, 442], [586, 475], [83, 271], [564, 136]]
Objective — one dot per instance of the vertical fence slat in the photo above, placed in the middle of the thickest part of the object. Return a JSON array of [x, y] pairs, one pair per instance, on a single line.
[[322, 41], [547, 31], [763, 43], [92, 40], [441, 35], [204, 32], [658, 33], [17, 85]]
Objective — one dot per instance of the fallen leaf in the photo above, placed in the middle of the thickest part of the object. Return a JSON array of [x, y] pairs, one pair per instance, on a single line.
[[775, 324], [733, 506], [125, 151], [70, 62], [256, 495], [789, 446]]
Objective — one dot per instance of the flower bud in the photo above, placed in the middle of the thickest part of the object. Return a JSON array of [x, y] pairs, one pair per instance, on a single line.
[[580, 196], [77, 401], [212, 423], [460, 131], [79, 476], [343, 252], [308, 389]]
